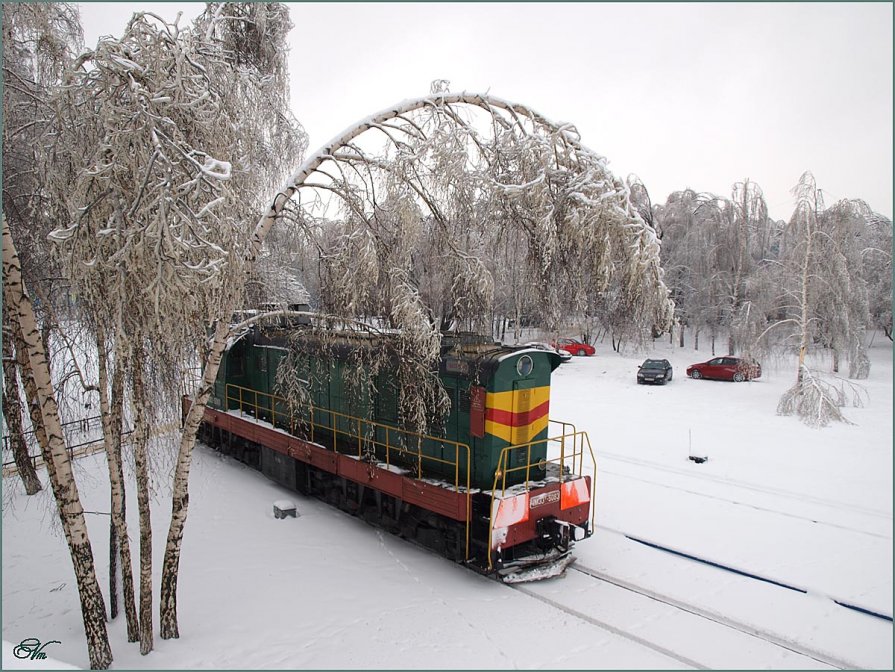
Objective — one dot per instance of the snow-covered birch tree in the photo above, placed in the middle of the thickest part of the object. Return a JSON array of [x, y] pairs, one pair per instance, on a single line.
[[37, 41], [167, 140], [692, 226], [743, 228], [452, 174], [876, 255], [719, 255], [57, 459], [813, 274], [464, 191], [842, 300]]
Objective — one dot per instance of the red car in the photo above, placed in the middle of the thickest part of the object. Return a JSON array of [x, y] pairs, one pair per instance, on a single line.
[[726, 368], [574, 347]]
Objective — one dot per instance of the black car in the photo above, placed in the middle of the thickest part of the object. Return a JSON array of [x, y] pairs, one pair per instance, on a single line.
[[655, 371]]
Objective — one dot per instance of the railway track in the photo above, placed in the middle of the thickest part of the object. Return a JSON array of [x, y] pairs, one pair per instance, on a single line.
[[745, 485], [655, 620], [873, 522], [751, 575]]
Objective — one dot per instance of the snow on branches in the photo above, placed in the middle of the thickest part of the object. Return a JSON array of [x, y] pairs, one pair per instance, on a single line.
[[163, 151], [147, 228], [424, 217], [476, 200], [164, 143], [816, 402]]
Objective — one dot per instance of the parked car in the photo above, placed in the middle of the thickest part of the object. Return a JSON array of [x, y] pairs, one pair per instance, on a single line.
[[540, 345], [655, 371], [726, 368], [574, 347]]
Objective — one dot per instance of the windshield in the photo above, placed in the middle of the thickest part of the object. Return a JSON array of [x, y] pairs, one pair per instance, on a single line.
[[653, 364]]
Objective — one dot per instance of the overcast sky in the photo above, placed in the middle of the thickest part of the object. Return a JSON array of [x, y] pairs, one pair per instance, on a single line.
[[694, 95]]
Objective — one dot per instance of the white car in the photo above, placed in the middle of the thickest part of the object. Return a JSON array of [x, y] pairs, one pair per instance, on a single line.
[[540, 345]]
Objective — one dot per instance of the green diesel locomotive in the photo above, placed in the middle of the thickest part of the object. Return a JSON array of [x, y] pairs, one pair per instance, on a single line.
[[495, 484]]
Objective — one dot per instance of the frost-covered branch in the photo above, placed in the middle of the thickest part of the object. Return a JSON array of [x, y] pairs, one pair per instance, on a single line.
[[817, 401]]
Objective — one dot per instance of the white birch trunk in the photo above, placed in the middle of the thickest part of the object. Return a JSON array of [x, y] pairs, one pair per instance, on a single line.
[[12, 413], [141, 437], [168, 627], [24, 364], [111, 419], [65, 490]]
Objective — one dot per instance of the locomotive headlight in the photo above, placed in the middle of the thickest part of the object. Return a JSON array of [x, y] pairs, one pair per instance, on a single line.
[[524, 366]]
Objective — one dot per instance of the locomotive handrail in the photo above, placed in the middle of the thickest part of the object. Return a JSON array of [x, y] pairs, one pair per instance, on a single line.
[[564, 424], [569, 429], [365, 437], [577, 453]]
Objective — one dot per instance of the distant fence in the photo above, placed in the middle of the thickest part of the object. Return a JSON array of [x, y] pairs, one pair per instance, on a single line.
[[78, 433]]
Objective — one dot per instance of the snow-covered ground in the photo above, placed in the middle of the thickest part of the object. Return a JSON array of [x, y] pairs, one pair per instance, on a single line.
[[810, 508]]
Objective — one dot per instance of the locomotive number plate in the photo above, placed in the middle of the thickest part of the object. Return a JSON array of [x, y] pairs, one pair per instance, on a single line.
[[545, 498]]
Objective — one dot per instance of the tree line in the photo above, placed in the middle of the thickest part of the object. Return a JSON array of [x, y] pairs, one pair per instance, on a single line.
[[817, 282], [734, 271]]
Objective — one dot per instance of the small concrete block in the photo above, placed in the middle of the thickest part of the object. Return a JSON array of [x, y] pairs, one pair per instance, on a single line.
[[283, 508]]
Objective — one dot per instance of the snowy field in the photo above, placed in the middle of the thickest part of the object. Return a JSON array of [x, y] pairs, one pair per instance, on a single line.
[[809, 508]]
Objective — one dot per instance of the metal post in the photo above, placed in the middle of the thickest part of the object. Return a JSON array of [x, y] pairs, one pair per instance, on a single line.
[[562, 456], [505, 461], [528, 466]]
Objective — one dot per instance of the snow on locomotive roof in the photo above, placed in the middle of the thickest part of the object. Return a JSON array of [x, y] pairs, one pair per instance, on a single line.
[[521, 351]]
